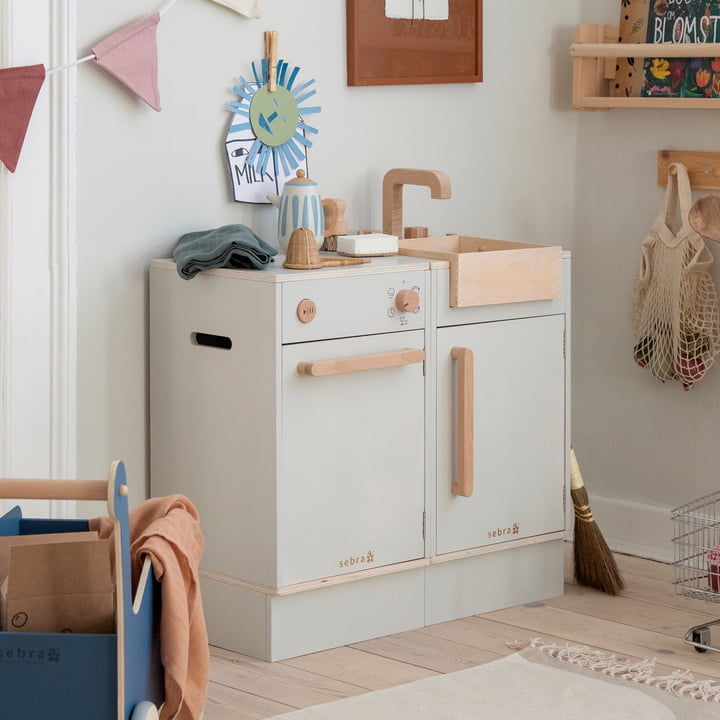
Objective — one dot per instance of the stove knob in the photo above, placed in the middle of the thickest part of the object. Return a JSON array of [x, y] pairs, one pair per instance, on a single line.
[[407, 301], [306, 311]]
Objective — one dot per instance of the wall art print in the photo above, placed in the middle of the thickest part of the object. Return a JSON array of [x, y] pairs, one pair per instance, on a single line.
[[405, 42], [268, 135]]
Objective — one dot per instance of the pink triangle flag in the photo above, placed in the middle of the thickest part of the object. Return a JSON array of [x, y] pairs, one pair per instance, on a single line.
[[130, 54], [19, 88]]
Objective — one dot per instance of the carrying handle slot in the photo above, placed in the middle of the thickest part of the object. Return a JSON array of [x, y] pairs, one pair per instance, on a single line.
[[464, 460], [223, 342]]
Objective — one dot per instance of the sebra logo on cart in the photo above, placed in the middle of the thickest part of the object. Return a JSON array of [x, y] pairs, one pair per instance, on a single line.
[[15, 655]]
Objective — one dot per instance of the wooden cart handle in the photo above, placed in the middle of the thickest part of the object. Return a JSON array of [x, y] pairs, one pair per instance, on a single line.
[[26, 489], [463, 486], [359, 363]]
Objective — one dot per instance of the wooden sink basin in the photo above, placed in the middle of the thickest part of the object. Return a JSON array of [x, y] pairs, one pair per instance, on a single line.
[[489, 272]]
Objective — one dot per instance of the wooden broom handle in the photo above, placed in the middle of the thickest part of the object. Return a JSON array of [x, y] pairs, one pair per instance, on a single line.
[[463, 486], [576, 479], [359, 363], [26, 489]]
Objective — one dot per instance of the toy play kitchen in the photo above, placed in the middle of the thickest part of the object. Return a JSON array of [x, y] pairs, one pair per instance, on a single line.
[[372, 448]]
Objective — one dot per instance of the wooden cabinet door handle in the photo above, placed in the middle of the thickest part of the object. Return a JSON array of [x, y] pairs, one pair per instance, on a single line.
[[463, 485], [359, 363]]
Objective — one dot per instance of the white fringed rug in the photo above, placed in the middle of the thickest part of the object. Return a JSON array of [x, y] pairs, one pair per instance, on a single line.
[[541, 682]]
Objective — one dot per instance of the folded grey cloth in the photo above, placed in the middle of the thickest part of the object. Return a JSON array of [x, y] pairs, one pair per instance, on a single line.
[[234, 246]]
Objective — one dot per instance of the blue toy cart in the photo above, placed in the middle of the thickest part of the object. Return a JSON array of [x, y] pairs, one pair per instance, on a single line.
[[62, 676]]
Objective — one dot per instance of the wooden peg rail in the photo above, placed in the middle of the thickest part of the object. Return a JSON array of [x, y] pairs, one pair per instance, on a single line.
[[703, 167], [595, 51]]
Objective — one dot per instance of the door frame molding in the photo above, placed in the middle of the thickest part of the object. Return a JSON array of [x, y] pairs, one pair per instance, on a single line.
[[63, 243], [49, 325], [5, 274]]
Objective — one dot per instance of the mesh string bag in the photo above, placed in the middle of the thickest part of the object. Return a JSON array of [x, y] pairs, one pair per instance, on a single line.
[[674, 308]]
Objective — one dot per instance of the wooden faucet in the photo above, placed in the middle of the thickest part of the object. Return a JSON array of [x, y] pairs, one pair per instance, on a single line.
[[437, 181]]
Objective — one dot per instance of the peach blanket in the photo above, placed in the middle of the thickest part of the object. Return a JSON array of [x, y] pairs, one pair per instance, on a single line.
[[168, 530]]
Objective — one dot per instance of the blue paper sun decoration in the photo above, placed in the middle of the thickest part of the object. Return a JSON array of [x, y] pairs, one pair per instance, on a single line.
[[275, 118]]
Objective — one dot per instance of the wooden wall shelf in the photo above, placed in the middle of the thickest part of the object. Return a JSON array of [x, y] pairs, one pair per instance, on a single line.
[[595, 52]]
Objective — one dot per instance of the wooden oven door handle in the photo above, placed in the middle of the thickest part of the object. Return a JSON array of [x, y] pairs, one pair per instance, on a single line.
[[359, 363], [463, 485]]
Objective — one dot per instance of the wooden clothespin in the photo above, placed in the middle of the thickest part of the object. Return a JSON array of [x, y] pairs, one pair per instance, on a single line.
[[271, 43]]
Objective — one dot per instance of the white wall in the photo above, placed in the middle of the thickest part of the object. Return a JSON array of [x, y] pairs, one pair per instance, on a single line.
[[644, 447], [145, 178], [528, 167]]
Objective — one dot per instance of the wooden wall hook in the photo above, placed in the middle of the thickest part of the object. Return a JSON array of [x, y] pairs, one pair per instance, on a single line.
[[703, 167]]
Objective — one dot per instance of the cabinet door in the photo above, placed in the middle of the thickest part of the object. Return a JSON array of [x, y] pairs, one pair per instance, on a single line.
[[518, 439], [352, 476]]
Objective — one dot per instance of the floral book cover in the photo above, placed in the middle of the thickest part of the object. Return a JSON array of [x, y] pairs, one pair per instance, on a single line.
[[682, 21]]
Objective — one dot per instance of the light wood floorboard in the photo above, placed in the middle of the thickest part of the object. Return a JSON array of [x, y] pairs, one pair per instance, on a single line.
[[648, 620]]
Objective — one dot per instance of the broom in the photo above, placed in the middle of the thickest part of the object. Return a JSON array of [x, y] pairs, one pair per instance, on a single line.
[[593, 562]]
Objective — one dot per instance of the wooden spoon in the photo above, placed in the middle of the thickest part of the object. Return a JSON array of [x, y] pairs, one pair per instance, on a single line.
[[704, 217]]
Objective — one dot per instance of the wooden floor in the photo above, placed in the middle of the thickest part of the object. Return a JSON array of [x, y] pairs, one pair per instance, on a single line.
[[648, 621]]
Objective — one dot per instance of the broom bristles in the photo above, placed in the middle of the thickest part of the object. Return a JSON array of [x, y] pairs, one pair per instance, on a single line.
[[593, 560]]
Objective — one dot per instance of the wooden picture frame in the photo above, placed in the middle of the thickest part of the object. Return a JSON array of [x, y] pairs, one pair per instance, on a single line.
[[392, 51]]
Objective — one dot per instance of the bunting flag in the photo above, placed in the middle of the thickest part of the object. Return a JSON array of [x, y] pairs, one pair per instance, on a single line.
[[19, 88], [249, 8], [130, 54]]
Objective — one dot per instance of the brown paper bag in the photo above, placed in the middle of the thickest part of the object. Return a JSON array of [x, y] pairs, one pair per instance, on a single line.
[[10, 541], [55, 587]]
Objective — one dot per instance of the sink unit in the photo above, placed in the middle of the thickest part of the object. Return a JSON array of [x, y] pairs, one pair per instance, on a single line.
[[488, 272], [316, 420]]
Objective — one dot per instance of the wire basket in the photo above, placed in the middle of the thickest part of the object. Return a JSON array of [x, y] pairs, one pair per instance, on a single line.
[[696, 527]]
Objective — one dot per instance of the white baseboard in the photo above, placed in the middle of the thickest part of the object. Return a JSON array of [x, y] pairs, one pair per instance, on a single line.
[[634, 528]]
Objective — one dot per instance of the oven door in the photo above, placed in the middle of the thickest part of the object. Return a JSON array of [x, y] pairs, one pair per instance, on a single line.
[[351, 481]]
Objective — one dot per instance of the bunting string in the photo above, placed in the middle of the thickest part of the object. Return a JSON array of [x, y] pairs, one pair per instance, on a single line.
[[69, 65], [166, 6], [129, 54]]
